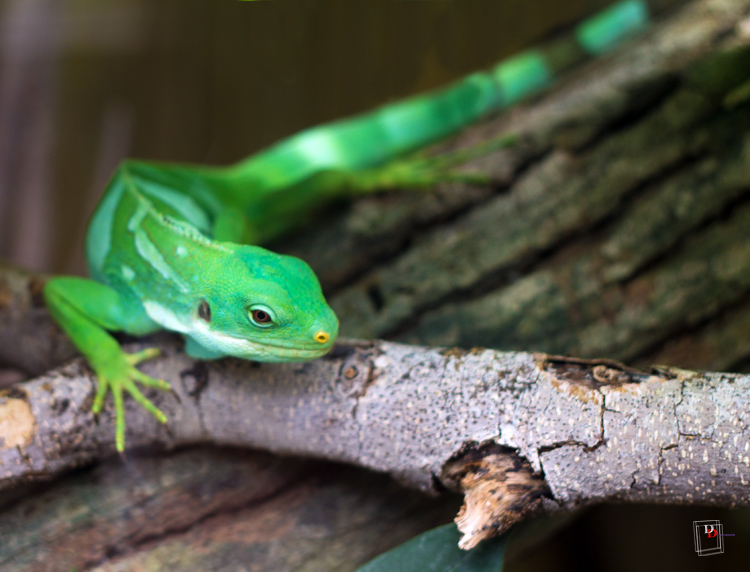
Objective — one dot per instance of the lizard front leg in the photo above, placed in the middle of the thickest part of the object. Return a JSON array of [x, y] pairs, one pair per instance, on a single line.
[[86, 310]]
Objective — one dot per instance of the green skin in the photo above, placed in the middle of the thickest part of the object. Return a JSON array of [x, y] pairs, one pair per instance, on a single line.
[[167, 247], [154, 270]]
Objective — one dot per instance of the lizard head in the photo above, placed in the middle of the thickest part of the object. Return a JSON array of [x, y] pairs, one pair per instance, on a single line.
[[266, 307]]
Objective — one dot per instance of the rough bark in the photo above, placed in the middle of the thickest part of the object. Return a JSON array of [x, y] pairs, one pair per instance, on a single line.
[[594, 430], [201, 509], [617, 224], [616, 228]]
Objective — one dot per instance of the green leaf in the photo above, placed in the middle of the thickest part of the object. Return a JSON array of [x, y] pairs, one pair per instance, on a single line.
[[437, 551]]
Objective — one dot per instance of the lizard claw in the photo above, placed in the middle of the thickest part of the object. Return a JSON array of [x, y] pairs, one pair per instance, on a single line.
[[121, 374]]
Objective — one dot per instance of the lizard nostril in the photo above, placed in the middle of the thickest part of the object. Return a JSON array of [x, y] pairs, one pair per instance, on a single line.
[[322, 337]]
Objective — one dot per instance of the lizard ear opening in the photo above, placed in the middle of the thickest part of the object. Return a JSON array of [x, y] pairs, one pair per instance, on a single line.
[[204, 312]]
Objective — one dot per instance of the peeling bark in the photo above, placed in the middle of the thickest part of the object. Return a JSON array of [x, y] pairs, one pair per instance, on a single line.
[[499, 490]]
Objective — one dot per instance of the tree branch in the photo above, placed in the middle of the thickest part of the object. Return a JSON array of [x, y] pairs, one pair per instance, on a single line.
[[558, 433]]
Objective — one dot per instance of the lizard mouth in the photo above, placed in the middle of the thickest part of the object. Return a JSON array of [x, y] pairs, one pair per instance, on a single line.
[[262, 350], [277, 352], [273, 351]]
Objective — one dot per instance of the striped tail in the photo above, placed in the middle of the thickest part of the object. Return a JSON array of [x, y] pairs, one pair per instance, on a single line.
[[372, 139]]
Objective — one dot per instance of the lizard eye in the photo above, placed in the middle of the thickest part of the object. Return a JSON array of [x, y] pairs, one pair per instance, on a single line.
[[261, 316], [204, 312]]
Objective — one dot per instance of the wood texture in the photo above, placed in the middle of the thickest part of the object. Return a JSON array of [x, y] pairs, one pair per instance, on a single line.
[[595, 430]]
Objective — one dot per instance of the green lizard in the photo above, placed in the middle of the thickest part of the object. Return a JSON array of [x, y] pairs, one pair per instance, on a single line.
[[168, 245]]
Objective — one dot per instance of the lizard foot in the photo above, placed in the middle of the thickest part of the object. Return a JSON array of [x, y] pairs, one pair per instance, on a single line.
[[120, 374]]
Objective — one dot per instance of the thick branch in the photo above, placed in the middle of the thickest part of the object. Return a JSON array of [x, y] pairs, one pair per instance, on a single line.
[[617, 224], [593, 430]]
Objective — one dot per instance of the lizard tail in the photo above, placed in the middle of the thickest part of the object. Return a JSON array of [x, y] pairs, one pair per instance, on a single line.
[[372, 139]]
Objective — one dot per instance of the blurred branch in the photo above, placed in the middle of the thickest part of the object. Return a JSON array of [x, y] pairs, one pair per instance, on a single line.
[[30, 340]]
